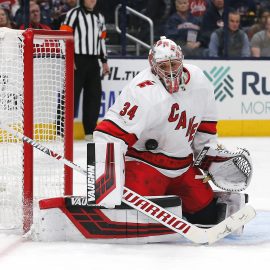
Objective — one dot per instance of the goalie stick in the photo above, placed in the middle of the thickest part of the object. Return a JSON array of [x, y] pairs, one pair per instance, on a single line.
[[154, 211]]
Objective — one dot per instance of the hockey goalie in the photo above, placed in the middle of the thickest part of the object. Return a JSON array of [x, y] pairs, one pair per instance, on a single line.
[[165, 120], [159, 140]]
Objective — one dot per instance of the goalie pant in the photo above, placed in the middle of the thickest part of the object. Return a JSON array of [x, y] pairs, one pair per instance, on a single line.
[[196, 196]]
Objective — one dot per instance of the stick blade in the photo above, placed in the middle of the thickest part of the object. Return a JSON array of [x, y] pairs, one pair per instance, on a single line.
[[231, 224]]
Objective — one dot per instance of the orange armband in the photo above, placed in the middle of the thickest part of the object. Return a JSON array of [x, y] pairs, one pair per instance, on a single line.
[[65, 27]]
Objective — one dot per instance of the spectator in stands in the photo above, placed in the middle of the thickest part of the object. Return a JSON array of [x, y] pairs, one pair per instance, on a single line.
[[45, 11], [260, 43], [238, 43], [4, 18], [18, 17], [198, 8], [35, 17], [60, 10], [183, 28], [259, 26], [212, 20]]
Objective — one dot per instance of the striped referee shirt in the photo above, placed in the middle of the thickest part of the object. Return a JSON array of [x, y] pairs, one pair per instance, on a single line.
[[89, 32]]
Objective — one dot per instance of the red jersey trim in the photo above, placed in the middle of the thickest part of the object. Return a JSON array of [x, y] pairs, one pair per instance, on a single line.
[[209, 127], [160, 160], [110, 128]]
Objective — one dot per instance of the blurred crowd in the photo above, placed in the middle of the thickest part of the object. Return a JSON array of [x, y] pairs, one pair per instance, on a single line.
[[43, 14], [209, 28]]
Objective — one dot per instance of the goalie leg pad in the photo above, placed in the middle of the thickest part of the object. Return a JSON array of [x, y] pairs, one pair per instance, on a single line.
[[70, 218], [228, 203]]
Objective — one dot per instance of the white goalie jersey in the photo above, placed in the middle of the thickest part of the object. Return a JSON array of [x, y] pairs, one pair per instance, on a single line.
[[161, 129]]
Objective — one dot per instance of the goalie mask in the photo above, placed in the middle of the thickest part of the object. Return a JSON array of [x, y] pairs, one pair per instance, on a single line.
[[166, 61]]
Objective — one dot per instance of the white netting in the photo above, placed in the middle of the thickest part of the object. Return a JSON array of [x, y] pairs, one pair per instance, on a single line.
[[49, 121], [11, 111], [49, 95]]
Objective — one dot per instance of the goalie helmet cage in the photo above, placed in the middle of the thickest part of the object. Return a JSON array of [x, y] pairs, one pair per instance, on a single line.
[[36, 98]]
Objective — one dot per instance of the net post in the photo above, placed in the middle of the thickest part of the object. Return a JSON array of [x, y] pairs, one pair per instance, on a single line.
[[69, 113], [28, 130]]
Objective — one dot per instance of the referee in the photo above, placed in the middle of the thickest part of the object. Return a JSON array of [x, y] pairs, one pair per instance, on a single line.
[[89, 30]]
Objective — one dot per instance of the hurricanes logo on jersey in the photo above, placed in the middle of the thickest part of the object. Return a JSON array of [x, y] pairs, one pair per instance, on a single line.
[[222, 82], [180, 117]]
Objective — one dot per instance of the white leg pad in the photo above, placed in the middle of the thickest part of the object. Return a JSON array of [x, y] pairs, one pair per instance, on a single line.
[[228, 203], [59, 220]]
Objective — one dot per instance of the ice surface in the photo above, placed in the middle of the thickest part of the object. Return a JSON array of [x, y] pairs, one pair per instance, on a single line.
[[250, 251]]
